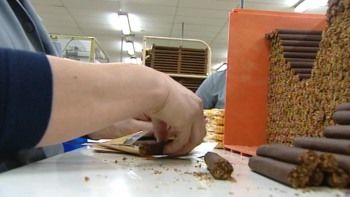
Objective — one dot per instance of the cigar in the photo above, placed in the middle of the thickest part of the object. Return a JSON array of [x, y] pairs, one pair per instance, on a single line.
[[304, 65], [300, 43], [297, 31], [289, 174], [328, 162], [337, 132], [300, 55], [304, 76], [302, 70], [338, 179], [324, 144], [299, 156], [299, 60], [316, 177], [300, 37], [150, 147], [343, 107], [300, 49], [342, 117], [343, 162], [219, 167]]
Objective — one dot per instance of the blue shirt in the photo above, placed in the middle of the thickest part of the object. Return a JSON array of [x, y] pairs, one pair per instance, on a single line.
[[213, 91]]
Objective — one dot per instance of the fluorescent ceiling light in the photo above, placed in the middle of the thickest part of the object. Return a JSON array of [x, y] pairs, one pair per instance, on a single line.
[[133, 60], [134, 23], [124, 23], [307, 4], [129, 45]]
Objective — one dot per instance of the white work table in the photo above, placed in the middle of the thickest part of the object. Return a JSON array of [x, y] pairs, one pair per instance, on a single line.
[[66, 175]]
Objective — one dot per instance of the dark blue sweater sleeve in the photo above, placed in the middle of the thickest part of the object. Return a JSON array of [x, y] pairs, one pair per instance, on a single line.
[[25, 99]]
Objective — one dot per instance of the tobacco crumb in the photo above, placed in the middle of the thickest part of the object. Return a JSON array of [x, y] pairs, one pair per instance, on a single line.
[[177, 170], [296, 194], [231, 193], [116, 161], [124, 158], [86, 179], [190, 188], [202, 188], [157, 172]]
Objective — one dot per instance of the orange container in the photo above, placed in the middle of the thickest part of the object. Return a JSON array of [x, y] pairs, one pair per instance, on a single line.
[[248, 66]]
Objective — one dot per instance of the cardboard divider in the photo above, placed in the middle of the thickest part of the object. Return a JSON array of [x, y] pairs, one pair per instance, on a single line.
[[248, 70]]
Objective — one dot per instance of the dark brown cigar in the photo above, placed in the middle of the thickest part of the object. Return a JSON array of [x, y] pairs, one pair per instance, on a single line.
[[219, 167], [300, 37], [299, 55], [328, 162], [337, 179], [299, 156], [300, 43], [302, 70], [289, 174], [343, 107], [316, 177], [343, 162], [337, 132], [324, 144], [300, 49], [342, 117], [301, 64], [150, 147], [297, 31]]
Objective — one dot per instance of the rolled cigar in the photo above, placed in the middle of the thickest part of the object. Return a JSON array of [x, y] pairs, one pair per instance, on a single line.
[[343, 162], [219, 167], [343, 107], [150, 147], [299, 60], [300, 49], [289, 174], [316, 177], [342, 117], [300, 43], [304, 76], [300, 55], [300, 37], [302, 64], [337, 132], [328, 162], [338, 179], [324, 144], [302, 70], [297, 31], [299, 156]]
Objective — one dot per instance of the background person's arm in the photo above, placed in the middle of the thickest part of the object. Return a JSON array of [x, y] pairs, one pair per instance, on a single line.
[[206, 93]]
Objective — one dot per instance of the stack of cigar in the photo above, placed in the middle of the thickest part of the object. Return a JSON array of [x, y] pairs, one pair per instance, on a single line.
[[215, 119], [312, 161], [304, 108]]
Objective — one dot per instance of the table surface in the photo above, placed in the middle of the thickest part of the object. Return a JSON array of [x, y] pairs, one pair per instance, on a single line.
[[83, 172]]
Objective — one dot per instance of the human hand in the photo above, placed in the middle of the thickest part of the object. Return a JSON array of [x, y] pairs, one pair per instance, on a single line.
[[181, 115], [123, 128]]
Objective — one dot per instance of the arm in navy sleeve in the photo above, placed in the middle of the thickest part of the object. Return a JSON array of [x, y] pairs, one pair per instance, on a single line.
[[205, 92], [25, 99]]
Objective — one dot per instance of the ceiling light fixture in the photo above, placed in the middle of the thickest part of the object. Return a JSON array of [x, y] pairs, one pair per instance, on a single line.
[[124, 23], [130, 47], [307, 4]]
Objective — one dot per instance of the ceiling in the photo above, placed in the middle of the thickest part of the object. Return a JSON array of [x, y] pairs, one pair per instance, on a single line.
[[205, 20]]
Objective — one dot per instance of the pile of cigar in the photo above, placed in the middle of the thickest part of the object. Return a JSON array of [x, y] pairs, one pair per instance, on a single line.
[[312, 161], [215, 121], [304, 108]]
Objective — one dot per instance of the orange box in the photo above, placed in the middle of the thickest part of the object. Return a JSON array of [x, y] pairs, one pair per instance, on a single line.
[[248, 70]]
